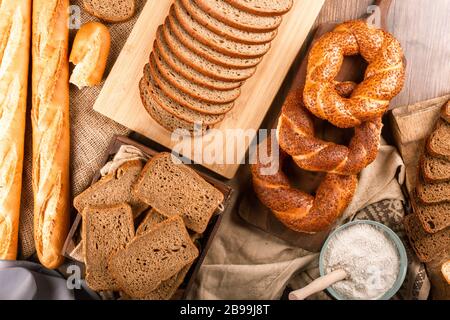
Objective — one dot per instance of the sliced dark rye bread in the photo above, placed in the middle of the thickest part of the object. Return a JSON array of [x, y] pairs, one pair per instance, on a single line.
[[434, 217], [237, 18], [438, 144], [165, 119], [152, 258], [187, 71], [432, 193], [180, 104], [263, 7], [105, 231], [111, 10], [427, 246], [214, 40], [152, 219], [114, 188], [225, 30], [190, 88], [247, 66], [434, 170], [175, 189]]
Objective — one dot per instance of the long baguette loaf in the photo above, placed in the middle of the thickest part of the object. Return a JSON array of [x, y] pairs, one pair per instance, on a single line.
[[51, 129], [15, 20]]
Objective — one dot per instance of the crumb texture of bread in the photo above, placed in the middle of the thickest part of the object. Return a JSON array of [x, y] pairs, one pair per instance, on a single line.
[[105, 231], [438, 144], [153, 258], [435, 169], [113, 189], [111, 10], [175, 189], [433, 217], [427, 246], [263, 7], [433, 193], [152, 219]]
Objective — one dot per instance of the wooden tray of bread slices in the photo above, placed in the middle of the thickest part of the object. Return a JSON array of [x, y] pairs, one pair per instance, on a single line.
[[120, 98], [144, 217]]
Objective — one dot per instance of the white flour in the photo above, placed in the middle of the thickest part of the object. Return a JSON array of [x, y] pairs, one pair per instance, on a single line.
[[369, 257]]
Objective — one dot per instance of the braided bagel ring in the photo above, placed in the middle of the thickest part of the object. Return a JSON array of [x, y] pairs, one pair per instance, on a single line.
[[298, 210], [296, 136], [383, 80]]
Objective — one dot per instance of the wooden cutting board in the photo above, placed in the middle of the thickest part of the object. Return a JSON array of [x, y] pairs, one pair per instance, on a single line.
[[120, 99]]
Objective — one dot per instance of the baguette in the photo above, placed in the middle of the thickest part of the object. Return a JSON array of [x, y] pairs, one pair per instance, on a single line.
[[51, 131], [15, 20]]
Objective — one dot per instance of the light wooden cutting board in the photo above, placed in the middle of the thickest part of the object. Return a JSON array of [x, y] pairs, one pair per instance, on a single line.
[[120, 98]]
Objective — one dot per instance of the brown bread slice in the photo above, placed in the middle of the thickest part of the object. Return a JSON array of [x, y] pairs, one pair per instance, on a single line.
[[163, 93], [433, 217], [175, 189], [110, 10], [105, 231], [427, 246], [215, 41], [263, 7], [438, 144], [225, 30], [152, 219], [445, 113], [434, 169], [167, 120], [152, 258], [190, 88], [187, 71], [113, 189], [433, 193], [237, 18], [246, 65]]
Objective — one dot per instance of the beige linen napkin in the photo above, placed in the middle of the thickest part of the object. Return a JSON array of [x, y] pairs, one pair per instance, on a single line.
[[247, 263]]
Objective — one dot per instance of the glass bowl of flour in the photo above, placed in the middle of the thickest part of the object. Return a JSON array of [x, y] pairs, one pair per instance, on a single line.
[[373, 257]]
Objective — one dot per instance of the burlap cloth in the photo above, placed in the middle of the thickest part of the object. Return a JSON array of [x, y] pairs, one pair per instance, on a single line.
[[247, 263], [90, 132]]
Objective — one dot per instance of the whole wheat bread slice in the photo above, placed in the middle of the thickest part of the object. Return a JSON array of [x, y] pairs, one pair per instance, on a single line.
[[433, 193], [427, 246], [164, 118], [246, 65], [189, 87], [152, 219], [263, 7], [433, 217], [110, 10], [434, 170], [225, 30], [445, 113], [175, 189], [438, 144], [214, 40], [188, 72], [168, 99], [113, 189], [105, 231], [223, 11], [152, 258]]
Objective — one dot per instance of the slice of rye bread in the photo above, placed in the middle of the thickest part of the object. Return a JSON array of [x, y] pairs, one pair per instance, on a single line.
[[168, 96], [263, 7], [165, 119], [214, 40], [187, 71], [152, 218], [114, 188], [445, 113], [225, 30], [434, 170], [111, 10], [190, 88], [175, 189], [246, 66], [152, 258], [427, 246], [105, 231], [237, 18], [438, 144], [433, 217], [433, 193]]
